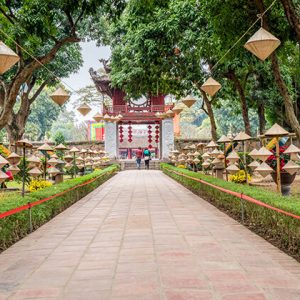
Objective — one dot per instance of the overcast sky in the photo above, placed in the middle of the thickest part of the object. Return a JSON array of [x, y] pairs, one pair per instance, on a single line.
[[91, 55]]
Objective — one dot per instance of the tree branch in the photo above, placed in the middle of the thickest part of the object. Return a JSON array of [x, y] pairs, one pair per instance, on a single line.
[[7, 16], [38, 91]]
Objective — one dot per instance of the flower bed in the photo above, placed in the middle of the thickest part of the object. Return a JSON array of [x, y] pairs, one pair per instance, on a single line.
[[16, 226], [280, 229]]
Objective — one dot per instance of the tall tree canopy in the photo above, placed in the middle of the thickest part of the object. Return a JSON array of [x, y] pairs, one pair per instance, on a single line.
[[42, 29], [171, 46]]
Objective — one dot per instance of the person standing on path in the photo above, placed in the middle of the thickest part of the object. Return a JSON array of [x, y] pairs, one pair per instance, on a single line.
[[147, 158], [139, 155]]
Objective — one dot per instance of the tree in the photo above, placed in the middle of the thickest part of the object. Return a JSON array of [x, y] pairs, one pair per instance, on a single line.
[[67, 61], [65, 124], [43, 28], [43, 113]]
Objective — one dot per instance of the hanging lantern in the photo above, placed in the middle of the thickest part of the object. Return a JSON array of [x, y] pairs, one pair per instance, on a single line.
[[84, 109], [189, 101], [3, 161], [3, 176], [60, 96], [262, 44], [205, 156], [178, 108], [14, 158], [13, 169], [211, 86], [215, 153], [291, 167], [216, 161], [253, 153], [129, 133], [53, 171], [264, 169], [35, 172], [170, 114], [68, 158], [293, 151], [68, 166], [53, 162], [196, 160], [7, 58], [97, 117], [253, 165], [34, 161], [232, 169], [233, 157], [263, 154], [206, 164]]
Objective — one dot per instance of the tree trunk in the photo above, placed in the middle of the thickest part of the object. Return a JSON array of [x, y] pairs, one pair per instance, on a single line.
[[210, 113], [292, 16], [261, 116], [244, 106], [288, 103]]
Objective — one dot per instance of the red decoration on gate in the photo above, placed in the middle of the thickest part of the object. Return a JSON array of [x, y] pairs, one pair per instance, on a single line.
[[129, 132], [157, 127], [150, 136], [121, 133]]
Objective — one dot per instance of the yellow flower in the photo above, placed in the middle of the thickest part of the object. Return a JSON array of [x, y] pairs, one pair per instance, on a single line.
[[36, 185]]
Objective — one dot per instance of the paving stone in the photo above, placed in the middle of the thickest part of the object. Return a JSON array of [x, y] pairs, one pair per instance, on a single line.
[[142, 236]]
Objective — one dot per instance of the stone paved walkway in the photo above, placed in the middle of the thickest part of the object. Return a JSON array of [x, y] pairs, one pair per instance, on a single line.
[[143, 236]]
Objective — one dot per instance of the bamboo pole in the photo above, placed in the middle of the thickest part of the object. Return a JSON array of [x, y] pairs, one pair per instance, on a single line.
[[278, 165], [245, 161], [23, 177]]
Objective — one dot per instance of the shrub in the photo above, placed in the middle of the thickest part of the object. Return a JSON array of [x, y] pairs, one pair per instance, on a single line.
[[14, 227], [37, 184], [239, 177], [280, 229]]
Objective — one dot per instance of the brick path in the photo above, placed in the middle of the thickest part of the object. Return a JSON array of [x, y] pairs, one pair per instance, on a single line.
[[143, 236]]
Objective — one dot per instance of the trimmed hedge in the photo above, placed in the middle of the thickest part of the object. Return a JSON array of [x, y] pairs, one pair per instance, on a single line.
[[15, 227], [281, 230]]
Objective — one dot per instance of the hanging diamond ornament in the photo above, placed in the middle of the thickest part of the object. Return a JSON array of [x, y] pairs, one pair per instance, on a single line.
[[84, 109], [7, 58], [264, 169], [211, 86], [262, 44], [291, 167], [60, 96], [189, 101]]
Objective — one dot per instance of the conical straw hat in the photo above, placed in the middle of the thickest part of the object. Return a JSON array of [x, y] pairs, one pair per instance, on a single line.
[[276, 130], [263, 154], [292, 149], [61, 147], [3, 161], [188, 100], [33, 159], [13, 169], [68, 158], [170, 113], [262, 44], [98, 117], [60, 96], [196, 160], [264, 169], [224, 139], [216, 161], [7, 58], [242, 136], [295, 156], [68, 166], [206, 164], [205, 155], [253, 153], [211, 144], [3, 176], [192, 147], [211, 86], [45, 147], [53, 171], [254, 164], [52, 162], [24, 143], [232, 169], [291, 167], [177, 109], [233, 156], [14, 158], [84, 109], [215, 153], [196, 153], [74, 150]]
